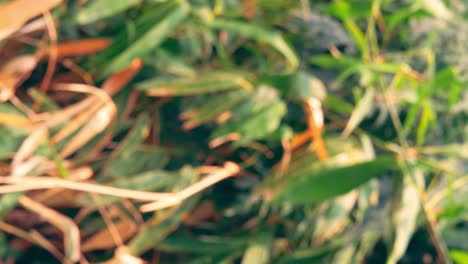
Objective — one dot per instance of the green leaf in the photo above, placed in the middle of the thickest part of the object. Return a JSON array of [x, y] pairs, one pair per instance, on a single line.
[[155, 180], [333, 220], [202, 244], [8, 202], [340, 63], [337, 104], [150, 40], [345, 254], [252, 31], [212, 107], [348, 11], [427, 117], [298, 86], [406, 207], [171, 63], [259, 251], [357, 34], [99, 9], [10, 141], [258, 122], [165, 221], [320, 184], [363, 108], [447, 79], [122, 161], [356, 9], [152, 180], [159, 227], [459, 256], [202, 83], [151, 16]]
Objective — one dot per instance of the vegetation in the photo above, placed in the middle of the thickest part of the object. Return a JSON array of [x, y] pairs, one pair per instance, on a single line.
[[233, 131]]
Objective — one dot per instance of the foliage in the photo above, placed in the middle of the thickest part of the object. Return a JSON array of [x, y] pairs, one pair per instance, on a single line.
[[233, 131]]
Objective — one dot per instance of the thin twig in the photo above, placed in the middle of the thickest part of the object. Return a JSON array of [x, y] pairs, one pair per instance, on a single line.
[[114, 233], [230, 169], [34, 238], [69, 229], [430, 221], [53, 55], [315, 119], [39, 183]]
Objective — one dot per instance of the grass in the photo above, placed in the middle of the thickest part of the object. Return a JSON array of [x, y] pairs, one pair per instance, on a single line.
[[251, 131]]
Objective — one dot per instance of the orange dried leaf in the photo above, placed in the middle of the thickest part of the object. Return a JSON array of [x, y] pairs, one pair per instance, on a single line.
[[80, 47], [117, 81], [14, 14]]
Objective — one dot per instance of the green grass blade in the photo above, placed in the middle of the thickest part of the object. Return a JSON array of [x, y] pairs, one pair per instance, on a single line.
[[259, 251], [150, 40], [322, 184], [100, 9], [404, 217], [203, 83], [251, 31], [362, 109]]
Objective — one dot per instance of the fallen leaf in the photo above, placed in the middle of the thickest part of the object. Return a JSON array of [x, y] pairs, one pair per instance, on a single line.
[[16, 13], [103, 239], [203, 212], [80, 47], [30, 144], [13, 73], [117, 81], [95, 125]]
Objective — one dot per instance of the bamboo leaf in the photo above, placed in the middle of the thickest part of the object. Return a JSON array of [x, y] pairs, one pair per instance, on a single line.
[[203, 83], [159, 228], [362, 109], [150, 40], [122, 161], [202, 245], [212, 108], [258, 122], [251, 31], [459, 256], [321, 184], [259, 251], [8, 202], [334, 219], [404, 217], [100, 9]]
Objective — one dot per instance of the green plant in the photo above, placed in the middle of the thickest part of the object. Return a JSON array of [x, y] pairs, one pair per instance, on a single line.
[[346, 140]]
